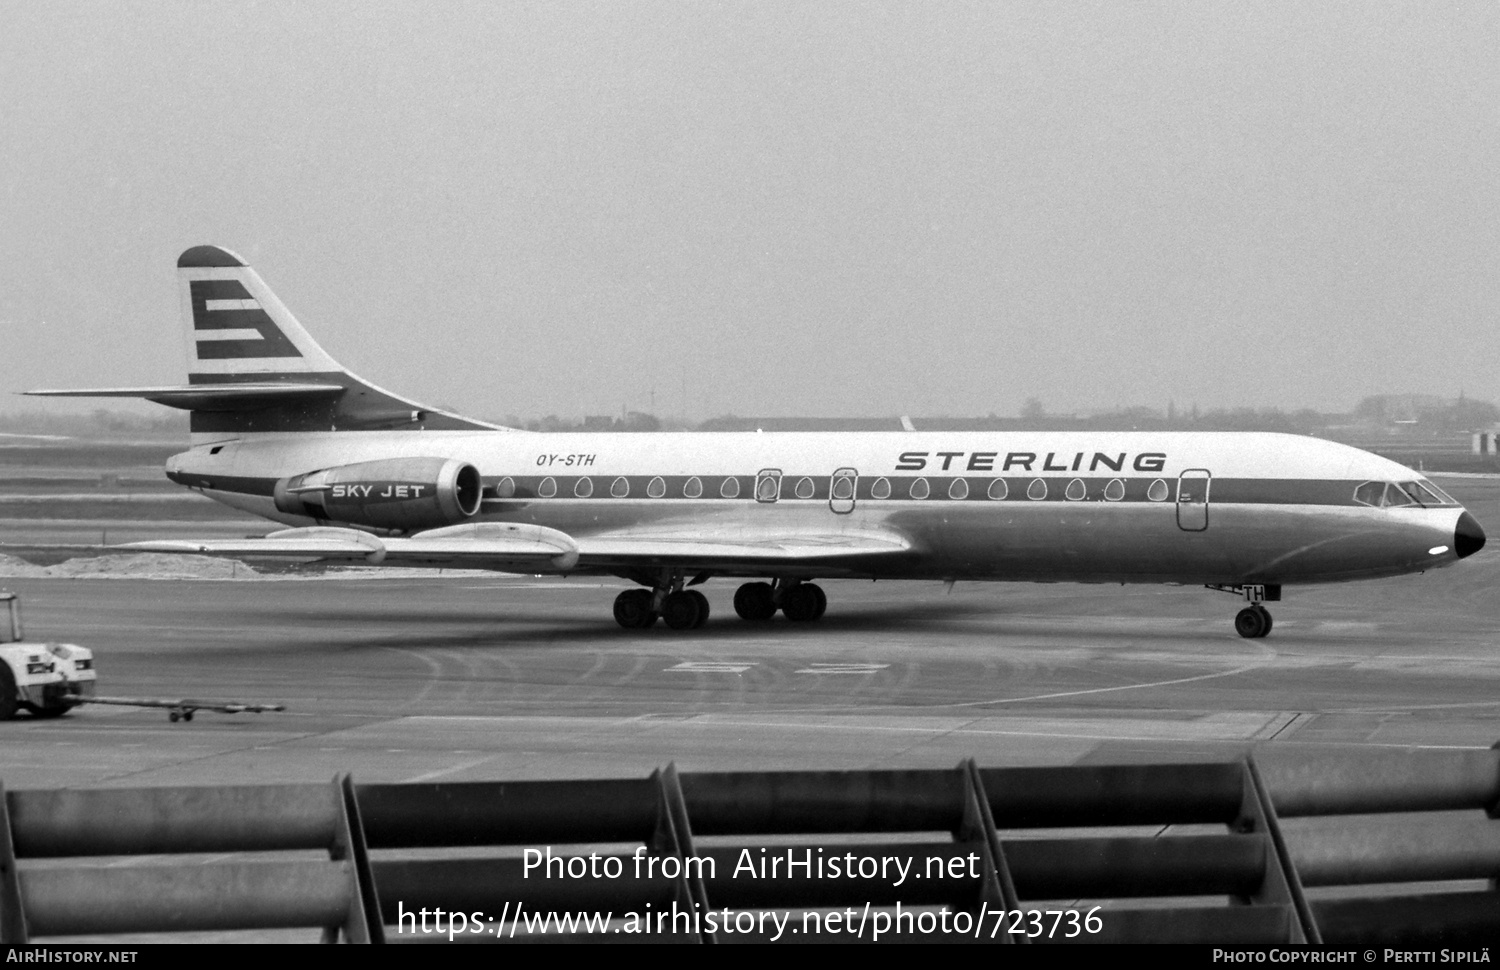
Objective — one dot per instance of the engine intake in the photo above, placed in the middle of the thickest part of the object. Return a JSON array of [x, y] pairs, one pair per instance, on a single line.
[[394, 493]]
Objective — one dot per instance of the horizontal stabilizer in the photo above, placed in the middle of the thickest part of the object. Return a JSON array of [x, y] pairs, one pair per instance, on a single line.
[[212, 397]]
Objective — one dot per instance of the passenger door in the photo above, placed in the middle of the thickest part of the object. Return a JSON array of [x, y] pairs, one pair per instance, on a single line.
[[1192, 500]]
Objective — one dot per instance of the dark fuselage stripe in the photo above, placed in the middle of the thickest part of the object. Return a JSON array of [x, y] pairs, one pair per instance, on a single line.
[[1223, 491]]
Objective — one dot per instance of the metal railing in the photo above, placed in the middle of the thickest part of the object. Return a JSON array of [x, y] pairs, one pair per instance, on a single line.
[[1392, 847]]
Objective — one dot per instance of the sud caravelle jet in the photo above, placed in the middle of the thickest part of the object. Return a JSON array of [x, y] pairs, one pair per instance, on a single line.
[[361, 475]]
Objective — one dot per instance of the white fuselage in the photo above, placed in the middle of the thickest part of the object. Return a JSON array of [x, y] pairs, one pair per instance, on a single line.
[[1214, 508]]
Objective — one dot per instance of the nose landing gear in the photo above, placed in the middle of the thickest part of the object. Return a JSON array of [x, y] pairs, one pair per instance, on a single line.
[[1254, 621]]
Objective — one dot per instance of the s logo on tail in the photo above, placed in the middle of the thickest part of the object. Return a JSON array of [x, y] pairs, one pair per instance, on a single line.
[[229, 323]]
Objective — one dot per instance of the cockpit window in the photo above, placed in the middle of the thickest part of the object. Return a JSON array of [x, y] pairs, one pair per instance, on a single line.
[[1430, 494], [1396, 497], [1420, 493], [1413, 491], [1370, 493], [1391, 495]]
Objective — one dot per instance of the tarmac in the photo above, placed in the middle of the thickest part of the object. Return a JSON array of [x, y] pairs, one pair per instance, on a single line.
[[507, 678], [411, 677]]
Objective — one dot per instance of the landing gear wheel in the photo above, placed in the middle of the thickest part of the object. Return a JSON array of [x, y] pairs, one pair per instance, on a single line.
[[753, 602], [7, 693], [684, 610], [702, 607], [822, 600], [1252, 622], [633, 609], [803, 602]]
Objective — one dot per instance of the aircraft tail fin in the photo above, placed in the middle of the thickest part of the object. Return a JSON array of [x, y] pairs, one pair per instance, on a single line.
[[253, 368], [236, 325]]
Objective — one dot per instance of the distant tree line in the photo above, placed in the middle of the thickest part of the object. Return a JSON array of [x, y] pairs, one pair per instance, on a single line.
[[1382, 414], [99, 421]]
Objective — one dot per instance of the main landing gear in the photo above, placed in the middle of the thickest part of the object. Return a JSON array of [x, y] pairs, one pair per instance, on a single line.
[[1254, 621], [799, 601], [680, 609], [687, 609]]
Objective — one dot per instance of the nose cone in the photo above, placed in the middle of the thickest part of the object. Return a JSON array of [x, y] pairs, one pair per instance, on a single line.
[[1468, 537]]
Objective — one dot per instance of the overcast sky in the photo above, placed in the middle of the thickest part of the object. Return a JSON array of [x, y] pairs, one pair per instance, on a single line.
[[769, 208]]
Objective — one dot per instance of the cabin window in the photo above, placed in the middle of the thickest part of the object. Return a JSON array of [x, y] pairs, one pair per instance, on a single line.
[[1037, 490], [548, 488], [805, 488], [998, 489], [1114, 491], [919, 489], [881, 488], [693, 488], [505, 488], [619, 488], [959, 489], [843, 488], [584, 487], [1077, 491], [730, 488], [656, 488], [1158, 491]]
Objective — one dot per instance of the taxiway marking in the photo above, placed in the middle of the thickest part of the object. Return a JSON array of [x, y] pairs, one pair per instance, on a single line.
[[841, 668], [712, 667]]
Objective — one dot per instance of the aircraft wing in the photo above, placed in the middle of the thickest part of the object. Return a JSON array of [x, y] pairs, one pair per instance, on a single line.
[[478, 546], [636, 549], [521, 547]]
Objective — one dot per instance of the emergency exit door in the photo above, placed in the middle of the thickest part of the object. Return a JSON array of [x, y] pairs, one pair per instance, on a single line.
[[841, 489]]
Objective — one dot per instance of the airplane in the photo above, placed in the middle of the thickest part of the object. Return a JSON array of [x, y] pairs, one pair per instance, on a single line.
[[358, 474]]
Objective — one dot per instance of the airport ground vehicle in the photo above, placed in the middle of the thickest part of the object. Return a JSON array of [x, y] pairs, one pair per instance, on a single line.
[[50, 679], [47, 679]]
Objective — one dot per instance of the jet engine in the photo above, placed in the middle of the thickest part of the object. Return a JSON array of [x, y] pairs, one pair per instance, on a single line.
[[393, 493]]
